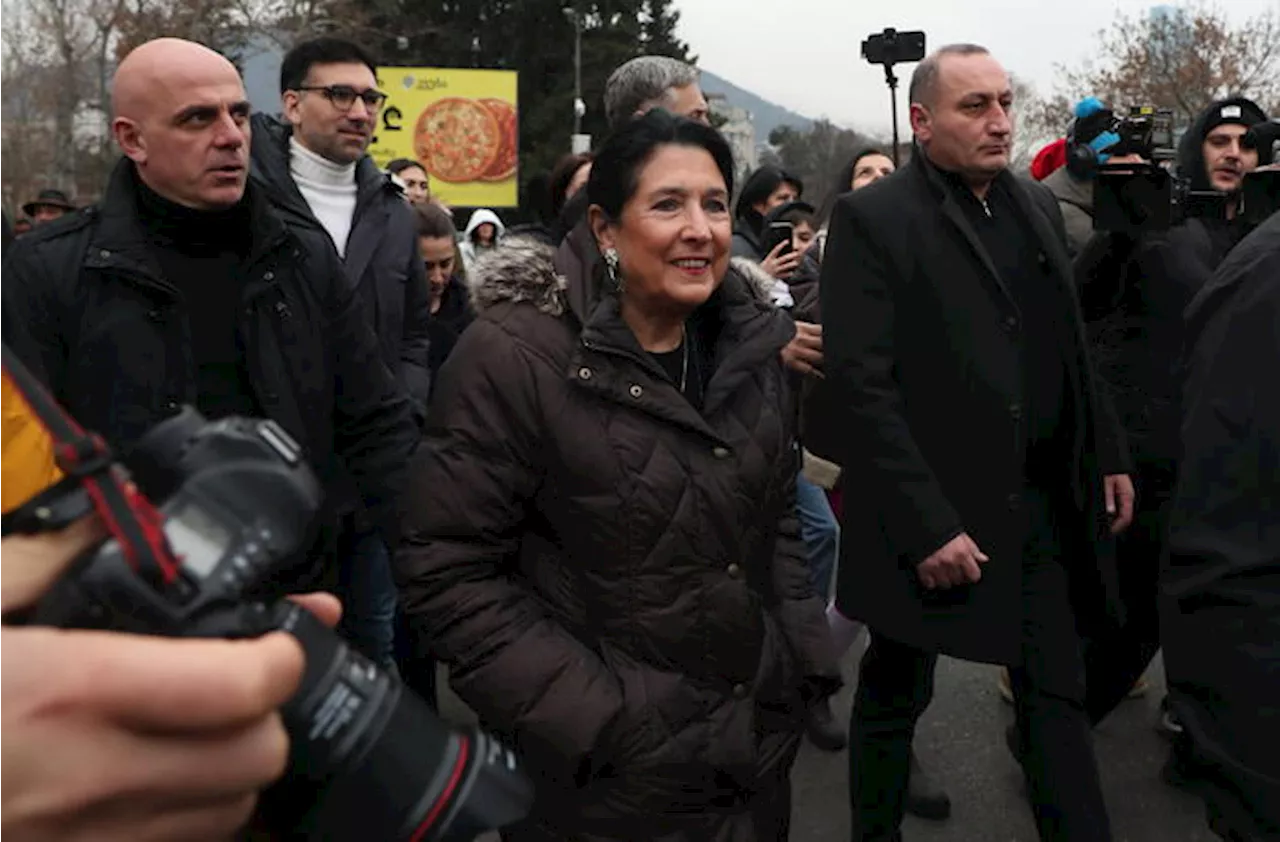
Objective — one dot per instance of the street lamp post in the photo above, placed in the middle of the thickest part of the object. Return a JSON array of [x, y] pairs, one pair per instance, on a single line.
[[577, 72], [579, 107]]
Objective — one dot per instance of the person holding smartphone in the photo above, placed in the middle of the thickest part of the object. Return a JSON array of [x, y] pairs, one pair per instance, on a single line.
[[788, 231], [766, 189]]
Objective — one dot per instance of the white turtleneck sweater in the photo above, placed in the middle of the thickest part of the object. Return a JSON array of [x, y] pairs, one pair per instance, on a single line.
[[329, 188]]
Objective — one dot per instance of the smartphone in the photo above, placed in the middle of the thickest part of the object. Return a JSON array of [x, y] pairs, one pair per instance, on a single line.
[[779, 232], [893, 47]]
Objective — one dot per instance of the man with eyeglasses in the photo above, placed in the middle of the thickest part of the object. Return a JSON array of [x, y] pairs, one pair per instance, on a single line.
[[315, 170]]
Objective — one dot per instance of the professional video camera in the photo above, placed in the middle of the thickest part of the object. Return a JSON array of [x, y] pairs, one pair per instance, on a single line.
[[1145, 131], [372, 760], [1139, 197], [1135, 198]]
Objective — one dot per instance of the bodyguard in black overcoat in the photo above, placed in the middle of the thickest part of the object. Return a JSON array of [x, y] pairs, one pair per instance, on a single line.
[[975, 517]]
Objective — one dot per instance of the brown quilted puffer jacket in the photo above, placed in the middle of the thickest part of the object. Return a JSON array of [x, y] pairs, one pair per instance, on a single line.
[[615, 579]]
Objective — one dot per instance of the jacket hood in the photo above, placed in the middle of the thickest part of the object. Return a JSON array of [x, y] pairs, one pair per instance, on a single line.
[[1067, 188], [524, 270], [1238, 110], [482, 216]]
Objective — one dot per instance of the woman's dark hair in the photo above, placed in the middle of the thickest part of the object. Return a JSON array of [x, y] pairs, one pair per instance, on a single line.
[[399, 165], [615, 175], [433, 221], [558, 184], [844, 177], [759, 187]]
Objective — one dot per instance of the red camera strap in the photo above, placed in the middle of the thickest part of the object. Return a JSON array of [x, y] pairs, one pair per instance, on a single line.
[[84, 457]]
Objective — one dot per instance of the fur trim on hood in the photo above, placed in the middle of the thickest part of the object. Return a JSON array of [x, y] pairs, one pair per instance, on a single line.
[[523, 269], [758, 281], [519, 269]]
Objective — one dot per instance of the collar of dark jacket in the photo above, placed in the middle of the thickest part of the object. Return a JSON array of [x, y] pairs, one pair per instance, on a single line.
[[941, 183], [739, 309], [119, 241], [526, 270], [454, 298], [1021, 194], [270, 169]]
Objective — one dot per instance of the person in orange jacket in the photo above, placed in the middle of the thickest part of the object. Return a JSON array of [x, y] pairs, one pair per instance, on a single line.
[[27, 465]]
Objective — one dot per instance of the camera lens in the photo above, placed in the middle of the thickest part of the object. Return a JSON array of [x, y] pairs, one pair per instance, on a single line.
[[375, 763], [155, 462]]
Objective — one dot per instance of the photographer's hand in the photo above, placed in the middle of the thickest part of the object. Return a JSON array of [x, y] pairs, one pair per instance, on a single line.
[[33, 562], [118, 737], [110, 736]]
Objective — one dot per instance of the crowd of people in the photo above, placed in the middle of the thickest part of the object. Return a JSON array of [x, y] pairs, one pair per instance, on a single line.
[[640, 475]]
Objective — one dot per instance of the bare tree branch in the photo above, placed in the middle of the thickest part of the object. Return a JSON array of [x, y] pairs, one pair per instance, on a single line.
[[1181, 59]]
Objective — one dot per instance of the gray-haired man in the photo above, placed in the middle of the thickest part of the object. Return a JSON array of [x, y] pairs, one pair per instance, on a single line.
[[650, 82]]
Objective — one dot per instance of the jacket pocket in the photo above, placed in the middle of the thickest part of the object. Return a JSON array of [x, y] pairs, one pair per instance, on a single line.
[[642, 736]]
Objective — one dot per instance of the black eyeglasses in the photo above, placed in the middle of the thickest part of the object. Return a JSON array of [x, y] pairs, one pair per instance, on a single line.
[[344, 97]]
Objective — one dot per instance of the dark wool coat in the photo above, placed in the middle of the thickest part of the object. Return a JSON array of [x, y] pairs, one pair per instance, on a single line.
[[925, 350]]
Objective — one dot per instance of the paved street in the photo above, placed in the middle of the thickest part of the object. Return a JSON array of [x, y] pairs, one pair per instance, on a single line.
[[961, 739]]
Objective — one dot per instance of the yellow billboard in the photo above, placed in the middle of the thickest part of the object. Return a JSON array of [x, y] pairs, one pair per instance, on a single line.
[[461, 125]]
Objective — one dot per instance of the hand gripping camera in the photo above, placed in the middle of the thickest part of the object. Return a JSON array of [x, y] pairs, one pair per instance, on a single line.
[[368, 759]]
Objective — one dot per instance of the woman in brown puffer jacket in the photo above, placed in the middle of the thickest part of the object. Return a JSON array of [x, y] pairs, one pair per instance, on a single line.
[[600, 538]]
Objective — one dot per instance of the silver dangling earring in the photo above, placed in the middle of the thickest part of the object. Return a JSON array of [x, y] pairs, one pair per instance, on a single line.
[[611, 263]]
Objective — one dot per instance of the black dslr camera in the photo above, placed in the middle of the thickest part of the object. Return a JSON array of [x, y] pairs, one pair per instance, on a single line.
[[1134, 198], [368, 759]]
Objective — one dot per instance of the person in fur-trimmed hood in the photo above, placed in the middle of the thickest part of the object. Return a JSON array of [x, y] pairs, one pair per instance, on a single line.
[[601, 538]]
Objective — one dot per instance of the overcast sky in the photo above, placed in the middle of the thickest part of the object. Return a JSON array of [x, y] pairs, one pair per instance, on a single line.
[[805, 54]]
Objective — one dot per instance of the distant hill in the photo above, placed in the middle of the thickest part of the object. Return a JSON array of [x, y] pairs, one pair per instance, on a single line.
[[767, 115]]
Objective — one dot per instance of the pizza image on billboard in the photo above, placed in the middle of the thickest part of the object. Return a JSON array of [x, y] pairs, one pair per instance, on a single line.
[[460, 124], [460, 140], [503, 166]]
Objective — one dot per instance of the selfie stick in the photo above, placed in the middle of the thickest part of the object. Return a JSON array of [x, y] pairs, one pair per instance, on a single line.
[[892, 81], [886, 48]]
